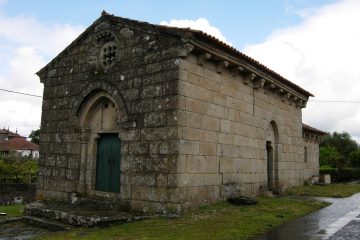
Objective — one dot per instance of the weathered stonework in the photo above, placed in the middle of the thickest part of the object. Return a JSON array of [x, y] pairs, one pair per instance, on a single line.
[[198, 122]]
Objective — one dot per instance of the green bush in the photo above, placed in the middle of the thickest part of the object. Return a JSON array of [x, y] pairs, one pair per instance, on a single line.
[[342, 175], [17, 169]]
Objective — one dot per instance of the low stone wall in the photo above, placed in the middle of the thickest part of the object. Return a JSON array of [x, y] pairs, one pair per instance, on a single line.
[[9, 191]]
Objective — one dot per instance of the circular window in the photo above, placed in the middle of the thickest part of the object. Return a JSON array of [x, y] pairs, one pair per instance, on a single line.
[[108, 54]]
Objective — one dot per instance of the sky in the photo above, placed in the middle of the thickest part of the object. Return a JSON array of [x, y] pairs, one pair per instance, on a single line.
[[313, 43]]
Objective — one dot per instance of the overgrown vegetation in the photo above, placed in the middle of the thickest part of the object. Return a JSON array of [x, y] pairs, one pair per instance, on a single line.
[[339, 190], [17, 169], [218, 221]]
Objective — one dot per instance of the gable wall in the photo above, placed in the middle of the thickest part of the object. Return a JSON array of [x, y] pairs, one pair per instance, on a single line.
[[145, 78]]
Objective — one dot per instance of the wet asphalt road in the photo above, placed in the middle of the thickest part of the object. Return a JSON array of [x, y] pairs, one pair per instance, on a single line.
[[307, 227]]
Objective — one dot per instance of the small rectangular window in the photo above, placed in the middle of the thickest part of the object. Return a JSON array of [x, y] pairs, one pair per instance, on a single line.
[[305, 155]]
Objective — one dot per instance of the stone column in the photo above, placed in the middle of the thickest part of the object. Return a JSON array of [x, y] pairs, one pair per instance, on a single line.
[[83, 156]]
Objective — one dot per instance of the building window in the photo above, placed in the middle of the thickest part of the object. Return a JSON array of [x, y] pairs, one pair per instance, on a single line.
[[305, 155]]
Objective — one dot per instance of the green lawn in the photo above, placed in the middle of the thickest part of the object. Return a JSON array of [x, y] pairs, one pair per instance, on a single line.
[[218, 221], [339, 190], [12, 210]]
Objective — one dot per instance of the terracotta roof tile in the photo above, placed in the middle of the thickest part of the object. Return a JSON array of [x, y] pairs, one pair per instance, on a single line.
[[18, 143]]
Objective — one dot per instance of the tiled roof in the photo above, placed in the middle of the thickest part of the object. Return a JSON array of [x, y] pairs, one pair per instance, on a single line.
[[313, 130], [194, 35], [10, 133], [18, 143], [241, 55]]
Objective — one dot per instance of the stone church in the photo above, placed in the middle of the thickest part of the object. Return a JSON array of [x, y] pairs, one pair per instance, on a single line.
[[161, 119]]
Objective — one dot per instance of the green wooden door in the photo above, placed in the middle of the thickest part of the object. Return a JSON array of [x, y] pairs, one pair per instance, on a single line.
[[108, 163]]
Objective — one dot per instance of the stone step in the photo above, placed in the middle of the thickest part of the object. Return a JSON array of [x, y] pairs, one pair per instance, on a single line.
[[43, 223], [90, 219]]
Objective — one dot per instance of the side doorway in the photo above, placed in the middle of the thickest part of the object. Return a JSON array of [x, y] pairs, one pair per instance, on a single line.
[[108, 163], [270, 166]]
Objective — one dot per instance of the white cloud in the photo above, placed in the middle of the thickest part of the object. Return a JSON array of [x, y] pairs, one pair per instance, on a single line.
[[322, 55], [199, 24], [26, 45]]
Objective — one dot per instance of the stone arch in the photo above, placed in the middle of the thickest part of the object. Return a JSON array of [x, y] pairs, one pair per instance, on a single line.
[[100, 113], [104, 87], [272, 156]]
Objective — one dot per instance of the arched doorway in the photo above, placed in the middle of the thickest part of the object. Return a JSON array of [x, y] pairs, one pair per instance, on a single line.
[[101, 145], [271, 146]]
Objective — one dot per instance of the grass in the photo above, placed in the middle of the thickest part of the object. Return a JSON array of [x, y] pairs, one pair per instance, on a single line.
[[218, 221], [339, 190], [12, 210]]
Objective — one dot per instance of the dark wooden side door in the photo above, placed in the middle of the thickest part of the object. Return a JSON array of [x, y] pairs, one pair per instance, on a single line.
[[108, 163]]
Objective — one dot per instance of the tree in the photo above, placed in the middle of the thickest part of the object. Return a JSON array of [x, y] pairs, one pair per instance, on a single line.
[[34, 136], [342, 142], [331, 157], [354, 158]]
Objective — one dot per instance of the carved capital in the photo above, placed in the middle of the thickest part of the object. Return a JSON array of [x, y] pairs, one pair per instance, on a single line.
[[83, 138], [202, 58]]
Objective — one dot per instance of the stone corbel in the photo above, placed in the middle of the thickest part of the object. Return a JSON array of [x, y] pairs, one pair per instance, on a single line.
[[259, 83], [184, 50], [202, 58], [236, 70], [299, 103], [248, 78], [304, 104], [280, 92], [286, 97], [221, 66]]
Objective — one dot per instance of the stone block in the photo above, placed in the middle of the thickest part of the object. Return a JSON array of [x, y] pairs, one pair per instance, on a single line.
[[192, 134], [194, 105], [194, 120], [226, 164], [215, 111], [211, 137], [211, 123], [188, 147], [181, 164], [195, 164], [207, 149], [212, 164]]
